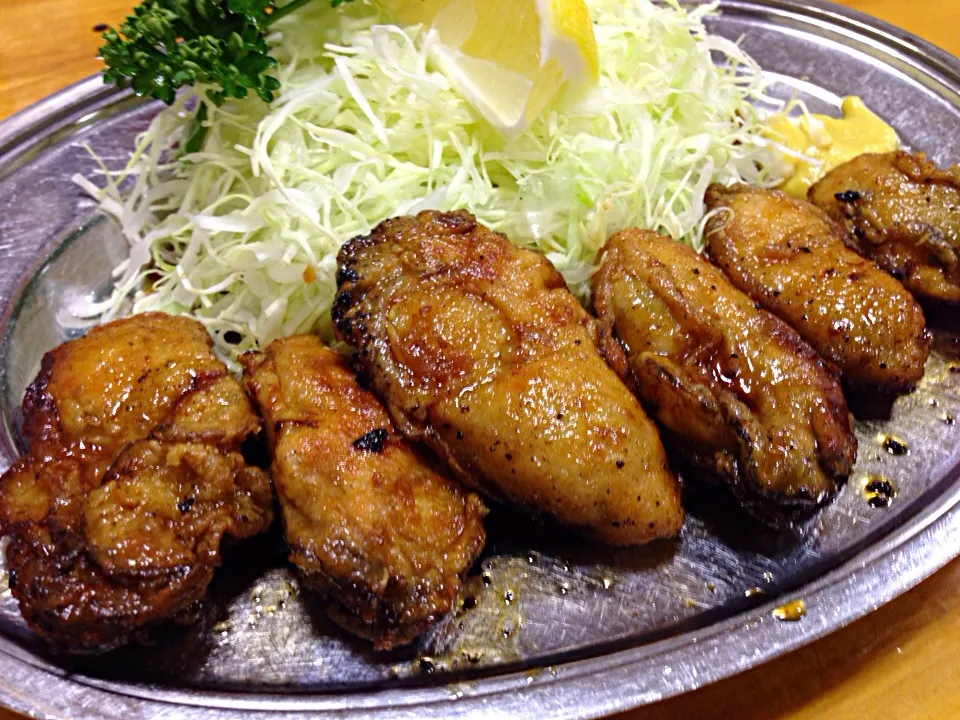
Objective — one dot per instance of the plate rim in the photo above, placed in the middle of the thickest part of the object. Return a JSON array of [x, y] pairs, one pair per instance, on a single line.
[[927, 541]]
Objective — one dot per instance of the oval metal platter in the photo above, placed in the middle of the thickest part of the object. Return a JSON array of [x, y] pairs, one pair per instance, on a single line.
[[549, 625]]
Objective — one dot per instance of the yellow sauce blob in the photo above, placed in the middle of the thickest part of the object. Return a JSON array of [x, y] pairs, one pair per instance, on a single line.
[[831, 141]]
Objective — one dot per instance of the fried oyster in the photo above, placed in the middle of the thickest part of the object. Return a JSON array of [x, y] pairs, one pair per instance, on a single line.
[[791, 258], [737, 391], [133, 478], [902, 212], [371, 521], [479, 350]]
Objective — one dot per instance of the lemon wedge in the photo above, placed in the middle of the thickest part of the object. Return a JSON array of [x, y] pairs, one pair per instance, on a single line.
[[508, 57]]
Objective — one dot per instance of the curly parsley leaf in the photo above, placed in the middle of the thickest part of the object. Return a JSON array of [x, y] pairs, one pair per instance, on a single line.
[[166, 44]]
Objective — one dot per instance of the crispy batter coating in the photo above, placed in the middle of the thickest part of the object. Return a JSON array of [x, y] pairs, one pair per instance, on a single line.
[[134, 476], [902, 212], [739, 392], [791, 258], [371, 521], [479, 350]]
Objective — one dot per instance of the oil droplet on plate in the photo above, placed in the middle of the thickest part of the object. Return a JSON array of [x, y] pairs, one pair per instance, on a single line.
[[894, 445], [791, 611], [532, 675], [473, 657], [878, 491]]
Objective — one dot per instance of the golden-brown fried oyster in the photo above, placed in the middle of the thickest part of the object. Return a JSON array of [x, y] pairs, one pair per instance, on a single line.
[[370, 520], [739, 392], [791, 258], [479, 349], [134, 476], [165, 506], [902, 212]]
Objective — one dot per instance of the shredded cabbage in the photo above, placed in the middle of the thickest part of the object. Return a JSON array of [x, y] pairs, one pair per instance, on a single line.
[[243, 235]]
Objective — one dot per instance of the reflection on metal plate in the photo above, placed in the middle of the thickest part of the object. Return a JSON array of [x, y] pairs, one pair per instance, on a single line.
[[548, 625]]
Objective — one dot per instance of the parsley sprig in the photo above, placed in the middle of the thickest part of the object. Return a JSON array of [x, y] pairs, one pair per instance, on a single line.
[[167, 44]]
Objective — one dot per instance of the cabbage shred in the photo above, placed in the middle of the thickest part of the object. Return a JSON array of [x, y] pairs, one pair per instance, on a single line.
[[243, 235]]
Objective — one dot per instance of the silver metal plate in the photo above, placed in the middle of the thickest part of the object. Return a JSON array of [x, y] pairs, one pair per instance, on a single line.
[[556, 626]]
